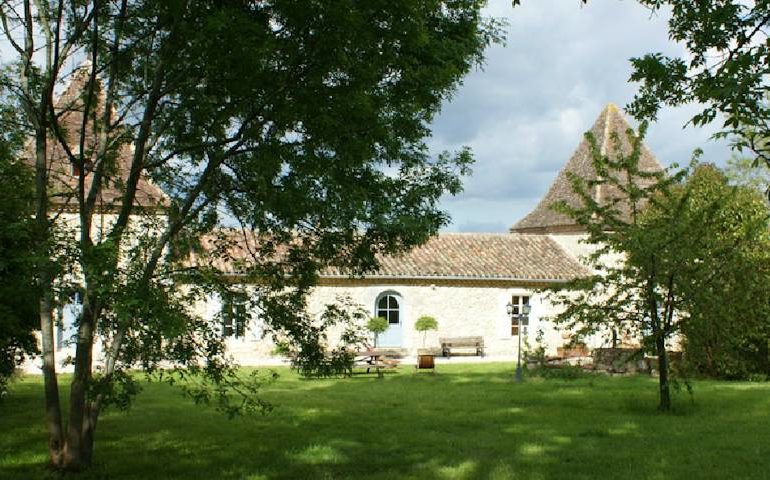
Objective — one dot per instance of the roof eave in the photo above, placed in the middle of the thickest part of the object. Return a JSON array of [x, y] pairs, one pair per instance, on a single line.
[[544, 281]]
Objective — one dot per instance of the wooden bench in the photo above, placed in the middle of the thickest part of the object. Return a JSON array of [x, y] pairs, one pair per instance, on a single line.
[[472, 343]]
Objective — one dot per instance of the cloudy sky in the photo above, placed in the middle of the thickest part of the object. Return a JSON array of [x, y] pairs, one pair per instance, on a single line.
[[526, 111]]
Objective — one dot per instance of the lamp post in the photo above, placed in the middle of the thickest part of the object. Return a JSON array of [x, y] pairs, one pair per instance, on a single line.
[[523, 313]]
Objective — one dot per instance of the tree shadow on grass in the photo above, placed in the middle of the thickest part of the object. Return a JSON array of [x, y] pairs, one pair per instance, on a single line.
[[457, 424]]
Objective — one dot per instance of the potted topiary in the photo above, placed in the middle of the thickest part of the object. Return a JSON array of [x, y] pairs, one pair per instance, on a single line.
[[376, 325], [425, 358]]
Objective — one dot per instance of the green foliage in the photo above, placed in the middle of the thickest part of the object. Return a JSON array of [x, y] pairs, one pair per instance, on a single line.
[[722, 286], [743, 172], [377, 325], [303, 121], [282, 348], [425, 323], [689, 251], [726, 331], [560, 372], [18, 294], [333, 363], [725, 69], [535, 354], [229, 391], [313, 357], [117, 391], [622, 294]]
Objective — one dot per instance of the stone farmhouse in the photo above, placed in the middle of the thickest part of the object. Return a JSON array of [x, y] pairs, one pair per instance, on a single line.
[[464, 280]]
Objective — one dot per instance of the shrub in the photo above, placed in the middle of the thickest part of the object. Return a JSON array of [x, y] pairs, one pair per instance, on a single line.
[[561, 372], [282, 348], [729, 350], [376, 325], [314, 357], [337, 362], [535, 354], [425, 323]]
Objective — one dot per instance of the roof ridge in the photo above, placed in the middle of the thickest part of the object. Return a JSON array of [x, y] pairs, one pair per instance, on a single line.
[[469, 234], [606, 131]]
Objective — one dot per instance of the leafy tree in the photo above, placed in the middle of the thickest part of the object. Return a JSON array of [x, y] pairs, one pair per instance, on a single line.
[[630, 290], [725, 68], [670, 249], [376, 325], [727, 327], [17, 292], [742, 171], [425, 323], [320, 359], [300, 121]]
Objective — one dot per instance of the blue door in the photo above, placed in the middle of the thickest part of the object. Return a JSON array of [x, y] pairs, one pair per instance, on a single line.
[[388, 306]]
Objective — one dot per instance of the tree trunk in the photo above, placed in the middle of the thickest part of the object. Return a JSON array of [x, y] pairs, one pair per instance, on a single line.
[[51, 386], [50, 383], [659, 330], [75, 457], [89, 428], [665, 395]]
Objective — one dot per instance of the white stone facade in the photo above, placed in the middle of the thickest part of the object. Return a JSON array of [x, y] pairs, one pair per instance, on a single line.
[[66, 315], [462, 308]]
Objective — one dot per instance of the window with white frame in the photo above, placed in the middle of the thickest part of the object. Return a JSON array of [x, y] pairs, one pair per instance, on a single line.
[[234, 314], [518, 302]]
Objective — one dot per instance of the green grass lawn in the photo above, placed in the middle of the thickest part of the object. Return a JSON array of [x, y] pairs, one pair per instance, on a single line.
[[467, 421]]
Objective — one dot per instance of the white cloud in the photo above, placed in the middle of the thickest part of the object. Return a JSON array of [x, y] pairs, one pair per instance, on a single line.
[[571, 122], [525, 113]]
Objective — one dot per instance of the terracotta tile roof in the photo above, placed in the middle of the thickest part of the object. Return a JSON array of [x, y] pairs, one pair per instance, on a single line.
[[543, 219], [63, 183], [461, 256], [228, 250], [482, 256]]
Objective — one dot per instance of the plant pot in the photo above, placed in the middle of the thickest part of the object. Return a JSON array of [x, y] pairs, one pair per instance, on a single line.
[[426, 361]]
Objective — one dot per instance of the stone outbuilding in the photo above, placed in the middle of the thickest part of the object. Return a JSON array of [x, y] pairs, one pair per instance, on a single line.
[[466, 280]]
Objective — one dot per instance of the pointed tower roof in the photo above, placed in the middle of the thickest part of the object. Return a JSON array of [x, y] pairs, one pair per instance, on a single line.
[[63, 178], [545, 220]]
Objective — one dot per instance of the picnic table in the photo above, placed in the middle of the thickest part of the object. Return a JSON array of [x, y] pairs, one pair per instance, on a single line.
[[373, 360]]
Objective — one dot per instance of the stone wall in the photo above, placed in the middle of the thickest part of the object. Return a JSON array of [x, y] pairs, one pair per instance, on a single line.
[[462, 308]]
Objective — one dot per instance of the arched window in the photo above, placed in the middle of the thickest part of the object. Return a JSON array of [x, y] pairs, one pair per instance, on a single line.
[[388, 306]]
